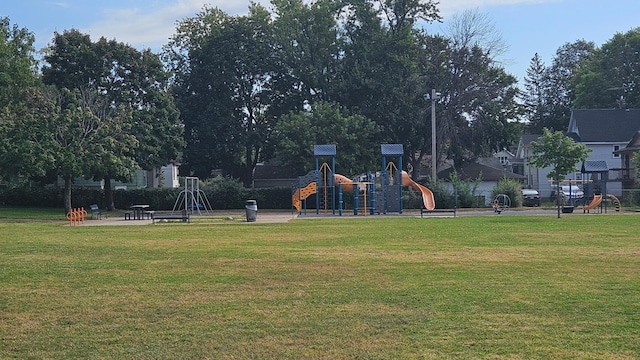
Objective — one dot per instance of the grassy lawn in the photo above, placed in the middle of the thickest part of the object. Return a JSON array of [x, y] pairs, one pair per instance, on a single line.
[[492, 287]]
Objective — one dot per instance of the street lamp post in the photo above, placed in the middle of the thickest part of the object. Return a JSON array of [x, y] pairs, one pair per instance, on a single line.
[[434, 96]]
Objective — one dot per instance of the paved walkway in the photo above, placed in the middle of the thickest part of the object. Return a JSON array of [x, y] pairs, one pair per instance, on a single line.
[[238, 215], [275, 216]]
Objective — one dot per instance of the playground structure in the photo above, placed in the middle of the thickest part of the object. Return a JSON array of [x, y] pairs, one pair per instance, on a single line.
[[379, 192], [595, 176], [192, 199], [597, 201], [501, 203]]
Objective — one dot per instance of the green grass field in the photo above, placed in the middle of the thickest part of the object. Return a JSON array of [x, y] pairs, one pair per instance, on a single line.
[[493, 287]]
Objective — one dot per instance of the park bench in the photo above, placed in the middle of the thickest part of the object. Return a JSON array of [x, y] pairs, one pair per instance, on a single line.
[[169, 216], [96, 213], [426, 211]]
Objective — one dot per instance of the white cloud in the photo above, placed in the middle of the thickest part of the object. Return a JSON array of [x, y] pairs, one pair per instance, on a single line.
[[151, 27], [60, 4]]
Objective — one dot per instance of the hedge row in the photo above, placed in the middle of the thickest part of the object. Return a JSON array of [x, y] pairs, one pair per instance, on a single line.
[[220, 198], [220, 193]]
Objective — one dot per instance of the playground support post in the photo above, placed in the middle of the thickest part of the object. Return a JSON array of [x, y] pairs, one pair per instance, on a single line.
[[340, 198]]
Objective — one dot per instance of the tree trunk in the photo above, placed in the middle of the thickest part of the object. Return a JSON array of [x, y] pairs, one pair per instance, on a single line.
[[247, 178], [67, 193], [108, 193]]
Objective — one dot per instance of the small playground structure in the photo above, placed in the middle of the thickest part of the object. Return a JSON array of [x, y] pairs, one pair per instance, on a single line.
[[594, 186], [501, 203], [373, 193], [191, 199]]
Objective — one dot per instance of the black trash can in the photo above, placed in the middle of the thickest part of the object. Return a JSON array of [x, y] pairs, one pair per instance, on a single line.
[[251, 207]]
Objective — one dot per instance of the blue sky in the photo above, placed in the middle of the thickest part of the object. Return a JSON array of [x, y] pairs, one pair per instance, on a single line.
[[526, 26]]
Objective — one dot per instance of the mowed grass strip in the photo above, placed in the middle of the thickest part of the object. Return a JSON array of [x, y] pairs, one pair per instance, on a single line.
[[497, 287]]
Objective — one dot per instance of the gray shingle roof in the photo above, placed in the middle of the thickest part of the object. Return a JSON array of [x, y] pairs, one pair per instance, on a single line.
[[472, 171], [604, 125], [593, 166]]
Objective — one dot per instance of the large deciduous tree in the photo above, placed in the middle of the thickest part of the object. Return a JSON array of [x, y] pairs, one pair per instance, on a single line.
[[611, 76], [479, 110], [386, 67], [111, 76], [308, 46], [62, 133], [550, 91], [355, 137], [225, 74], [17, 74], [567, 62]]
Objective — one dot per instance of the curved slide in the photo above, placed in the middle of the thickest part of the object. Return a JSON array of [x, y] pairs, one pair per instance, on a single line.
[[597, 199], [616, 201], [427, 196], [347, 184]]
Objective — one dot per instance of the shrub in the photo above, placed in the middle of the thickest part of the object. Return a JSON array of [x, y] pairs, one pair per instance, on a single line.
[[222, 194], [511, 188], [465, 190]]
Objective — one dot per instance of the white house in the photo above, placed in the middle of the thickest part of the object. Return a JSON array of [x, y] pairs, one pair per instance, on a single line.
[[164, 177], [607, 132], [489, 175]]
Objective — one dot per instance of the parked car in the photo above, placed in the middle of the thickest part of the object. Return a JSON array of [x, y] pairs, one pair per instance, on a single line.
[[530, 197], [568, 194]]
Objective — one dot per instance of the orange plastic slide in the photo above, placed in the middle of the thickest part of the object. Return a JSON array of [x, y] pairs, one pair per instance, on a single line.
[[597, 199], [427, 196], [347, 184], [301, 194]]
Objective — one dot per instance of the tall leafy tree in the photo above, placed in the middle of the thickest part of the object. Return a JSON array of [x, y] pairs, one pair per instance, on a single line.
[[226, 89], [18, 65], [384, 67], [308, 45], [65, 136], [17, 74], [355, 136], [611, 76], [568, 60], [479, 109], [111, 76], [550, 91]]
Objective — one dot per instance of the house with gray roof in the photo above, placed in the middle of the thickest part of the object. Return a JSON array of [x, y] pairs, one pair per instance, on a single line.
[[611, 134], [606, 132]]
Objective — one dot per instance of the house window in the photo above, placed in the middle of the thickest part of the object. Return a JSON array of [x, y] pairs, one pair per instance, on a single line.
[[616, 148]]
